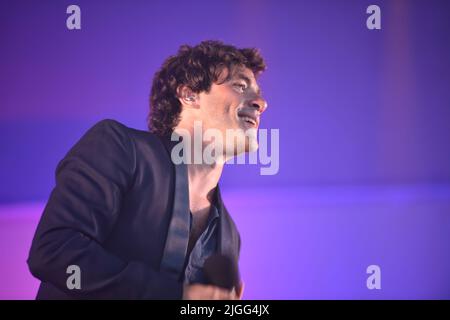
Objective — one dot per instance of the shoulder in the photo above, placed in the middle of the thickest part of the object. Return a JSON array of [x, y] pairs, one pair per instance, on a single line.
[[107, 129], [103, 138], [110, 126], [115, 129], [144, 146], [234, 234]]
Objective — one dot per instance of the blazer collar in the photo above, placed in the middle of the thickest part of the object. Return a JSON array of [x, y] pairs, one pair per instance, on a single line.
[[228, 236], [178, 234]]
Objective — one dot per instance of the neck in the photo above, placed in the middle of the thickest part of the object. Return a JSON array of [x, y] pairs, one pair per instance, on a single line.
[[203, 178]]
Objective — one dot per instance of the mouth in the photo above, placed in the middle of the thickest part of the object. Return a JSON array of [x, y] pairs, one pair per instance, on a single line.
[[248, 118]]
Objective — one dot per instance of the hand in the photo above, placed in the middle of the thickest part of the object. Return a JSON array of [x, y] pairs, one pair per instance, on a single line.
[[208, 292]]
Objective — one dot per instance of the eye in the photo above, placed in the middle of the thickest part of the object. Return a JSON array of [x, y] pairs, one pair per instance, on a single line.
[[241, 86]]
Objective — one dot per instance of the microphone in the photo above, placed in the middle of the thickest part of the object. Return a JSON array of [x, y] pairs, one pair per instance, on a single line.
[[222, 271]]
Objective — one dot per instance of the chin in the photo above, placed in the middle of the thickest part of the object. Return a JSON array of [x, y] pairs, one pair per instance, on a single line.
[[251, 141], [245, 140], [251, 144]]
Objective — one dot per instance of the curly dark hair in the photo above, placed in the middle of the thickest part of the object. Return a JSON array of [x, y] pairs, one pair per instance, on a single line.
[[196, 67]]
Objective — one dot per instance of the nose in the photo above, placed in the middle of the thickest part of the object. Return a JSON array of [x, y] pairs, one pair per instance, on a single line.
[[259, 104]]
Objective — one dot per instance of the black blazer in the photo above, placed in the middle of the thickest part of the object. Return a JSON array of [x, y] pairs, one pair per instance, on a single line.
[[119, 211]]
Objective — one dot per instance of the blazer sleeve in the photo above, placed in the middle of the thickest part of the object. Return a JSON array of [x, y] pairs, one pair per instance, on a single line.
[[90, 183]]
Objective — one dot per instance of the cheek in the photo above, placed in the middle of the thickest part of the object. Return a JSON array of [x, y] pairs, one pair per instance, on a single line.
[[231, 104], [228, 109], [222, 105]]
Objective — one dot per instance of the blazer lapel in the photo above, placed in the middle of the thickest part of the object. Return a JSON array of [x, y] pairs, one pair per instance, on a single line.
[[175, 249], [177, 240], [228, 238]]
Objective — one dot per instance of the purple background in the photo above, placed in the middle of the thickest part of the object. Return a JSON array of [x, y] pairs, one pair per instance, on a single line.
[[364, 119]]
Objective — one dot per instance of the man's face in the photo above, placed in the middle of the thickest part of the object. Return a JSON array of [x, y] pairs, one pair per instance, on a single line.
[[235, 104]]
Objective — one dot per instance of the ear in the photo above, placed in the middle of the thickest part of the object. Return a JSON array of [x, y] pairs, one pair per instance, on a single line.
[[187, 97]]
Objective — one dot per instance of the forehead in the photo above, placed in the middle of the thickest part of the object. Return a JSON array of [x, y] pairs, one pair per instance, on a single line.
[[243, 73], [248, 76], [238, 73]]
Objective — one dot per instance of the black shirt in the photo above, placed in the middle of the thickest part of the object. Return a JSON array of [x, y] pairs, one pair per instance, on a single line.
[[205, 246]]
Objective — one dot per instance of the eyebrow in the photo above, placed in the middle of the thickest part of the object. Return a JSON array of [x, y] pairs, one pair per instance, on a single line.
[[247, 79]]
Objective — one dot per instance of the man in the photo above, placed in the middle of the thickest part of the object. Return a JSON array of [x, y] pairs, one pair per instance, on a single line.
[[123, 216]]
